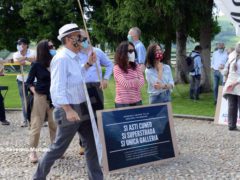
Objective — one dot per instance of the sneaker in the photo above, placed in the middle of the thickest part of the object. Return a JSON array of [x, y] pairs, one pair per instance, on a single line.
[[81, 151], [24, 124], [5, 122], [33, 157]]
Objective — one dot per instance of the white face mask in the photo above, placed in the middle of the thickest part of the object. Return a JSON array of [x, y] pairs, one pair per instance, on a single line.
[[19, 48], [131, 57]]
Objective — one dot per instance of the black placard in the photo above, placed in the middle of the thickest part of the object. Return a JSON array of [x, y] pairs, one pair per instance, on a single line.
[[136, 136]]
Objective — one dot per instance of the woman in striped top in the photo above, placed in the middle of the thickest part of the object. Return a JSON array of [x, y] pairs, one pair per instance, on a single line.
[[128, 76]]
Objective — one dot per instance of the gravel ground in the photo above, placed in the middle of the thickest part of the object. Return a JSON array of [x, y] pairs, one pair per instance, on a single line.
[[207, 151]]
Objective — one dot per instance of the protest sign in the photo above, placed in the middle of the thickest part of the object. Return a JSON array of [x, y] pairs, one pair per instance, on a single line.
[[136, 135]]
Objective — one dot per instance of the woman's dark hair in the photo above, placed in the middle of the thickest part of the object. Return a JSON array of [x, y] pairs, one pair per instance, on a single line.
[[43, 55], [150, 57], [121, 56]]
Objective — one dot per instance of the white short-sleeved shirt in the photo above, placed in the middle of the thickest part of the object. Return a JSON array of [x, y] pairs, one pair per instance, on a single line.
[[16, 55]]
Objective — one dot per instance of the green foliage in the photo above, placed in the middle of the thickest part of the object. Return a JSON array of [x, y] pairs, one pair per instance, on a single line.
[[12, 25], [12, 99], [45, 17], [117, 17], [227, 34]]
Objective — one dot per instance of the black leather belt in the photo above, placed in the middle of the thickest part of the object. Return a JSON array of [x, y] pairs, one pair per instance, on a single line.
[[93, 84]]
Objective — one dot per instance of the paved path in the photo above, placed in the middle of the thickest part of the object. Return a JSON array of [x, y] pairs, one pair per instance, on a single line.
[[207, 151]]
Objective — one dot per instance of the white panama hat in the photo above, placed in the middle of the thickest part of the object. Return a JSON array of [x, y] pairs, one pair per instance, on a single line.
[[67, 29]]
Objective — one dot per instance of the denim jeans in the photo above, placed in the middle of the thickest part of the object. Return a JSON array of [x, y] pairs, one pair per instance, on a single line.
[[163, 97], [217, 80], [20, 90], [117, 105], [194, 86]]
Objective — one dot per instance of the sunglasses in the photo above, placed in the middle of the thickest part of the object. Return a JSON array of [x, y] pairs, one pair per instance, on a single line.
[[83, 39], [51, 46], [131, 51]]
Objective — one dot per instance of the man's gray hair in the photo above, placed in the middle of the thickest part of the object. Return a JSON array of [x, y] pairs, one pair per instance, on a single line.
[[136, 30]]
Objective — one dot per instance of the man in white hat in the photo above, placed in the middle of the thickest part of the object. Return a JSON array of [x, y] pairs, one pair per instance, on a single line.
[[71, 112]]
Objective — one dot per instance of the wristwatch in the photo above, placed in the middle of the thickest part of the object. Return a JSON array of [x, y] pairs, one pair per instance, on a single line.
[[89, 64]]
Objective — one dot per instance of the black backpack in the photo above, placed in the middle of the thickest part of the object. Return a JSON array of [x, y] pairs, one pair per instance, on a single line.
[[190, 62]]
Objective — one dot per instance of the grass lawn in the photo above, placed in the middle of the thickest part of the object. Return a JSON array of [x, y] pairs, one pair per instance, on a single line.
[[180, 98]]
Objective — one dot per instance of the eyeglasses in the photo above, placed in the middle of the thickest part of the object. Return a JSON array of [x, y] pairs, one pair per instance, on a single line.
[[75, 37], [131, 51], [51, 46]]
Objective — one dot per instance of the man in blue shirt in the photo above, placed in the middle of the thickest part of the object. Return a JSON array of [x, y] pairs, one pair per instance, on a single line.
[[94, 78], [196, 73], [134, 36]]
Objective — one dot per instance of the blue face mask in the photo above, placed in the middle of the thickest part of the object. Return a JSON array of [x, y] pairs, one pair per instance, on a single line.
[[19, 48], [130, 38], [85, 44], [52, 52]]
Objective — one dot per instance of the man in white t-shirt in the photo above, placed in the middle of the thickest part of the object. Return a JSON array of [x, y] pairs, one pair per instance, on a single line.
[[22, 56], [219, 59]]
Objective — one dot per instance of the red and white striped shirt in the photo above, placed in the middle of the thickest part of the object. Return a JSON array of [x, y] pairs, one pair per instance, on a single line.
[[128, 85]]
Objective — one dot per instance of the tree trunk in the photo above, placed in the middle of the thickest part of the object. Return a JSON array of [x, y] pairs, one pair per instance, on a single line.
[[205, 42], [181, 75], [167, 52]]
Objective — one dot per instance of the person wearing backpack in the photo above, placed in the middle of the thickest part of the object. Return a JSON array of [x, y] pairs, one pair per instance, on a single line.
[[196, 72]]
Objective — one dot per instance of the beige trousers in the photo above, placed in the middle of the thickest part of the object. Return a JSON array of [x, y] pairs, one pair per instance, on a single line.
[[40, 111]]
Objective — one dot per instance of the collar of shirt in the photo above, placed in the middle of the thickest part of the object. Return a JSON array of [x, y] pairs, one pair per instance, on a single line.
[[85, 51], [70, 53], [28, 53], [136, 42]]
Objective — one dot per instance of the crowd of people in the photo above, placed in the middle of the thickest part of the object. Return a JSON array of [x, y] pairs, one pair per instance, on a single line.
[[225, 67], [56, 83]]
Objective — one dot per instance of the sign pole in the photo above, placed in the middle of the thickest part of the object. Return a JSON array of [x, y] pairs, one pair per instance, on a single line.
[[93, 122]]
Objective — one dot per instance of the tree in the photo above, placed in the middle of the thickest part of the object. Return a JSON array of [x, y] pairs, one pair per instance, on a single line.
[[45, 17], [12, 25], [117, 17], [194, 19], [207, 27]]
